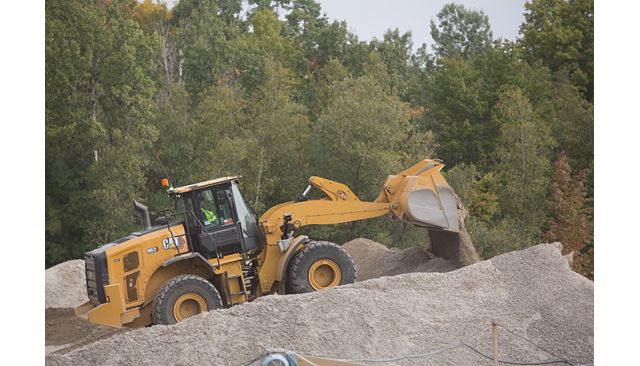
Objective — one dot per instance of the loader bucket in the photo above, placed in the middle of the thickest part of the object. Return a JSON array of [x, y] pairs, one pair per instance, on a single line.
[[421, 196]]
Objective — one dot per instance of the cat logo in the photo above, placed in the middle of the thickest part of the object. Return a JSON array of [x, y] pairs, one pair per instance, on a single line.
[[173, 242]]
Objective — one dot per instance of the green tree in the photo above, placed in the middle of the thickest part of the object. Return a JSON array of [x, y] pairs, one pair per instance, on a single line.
[[99, 110], [523, 156], [572, 123], [267, 36], [207, 35], [255, 136], [395, 51], [223, 146], [462, 93], [458, 112], [155, 18], [460, 31], [319, 90], [559, 33], [476, 191], [280, 127], [178, 151], [360, 137]]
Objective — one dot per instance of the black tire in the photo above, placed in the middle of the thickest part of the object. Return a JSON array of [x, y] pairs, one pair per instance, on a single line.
[[188, 285], [313, 254]]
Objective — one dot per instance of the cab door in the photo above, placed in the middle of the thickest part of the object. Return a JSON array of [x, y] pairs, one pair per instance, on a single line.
[[221, 230]]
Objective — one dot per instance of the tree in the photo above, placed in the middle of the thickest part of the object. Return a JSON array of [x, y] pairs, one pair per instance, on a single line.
[[361, 136], [572, 123], [395, 51], [207, 35], [281, 129], [523, 164], [559, 33], [571, 222], [475, 190], [256, 136], [266, 36], [99, 122], [177, 153], [462, 93], [460, 32], [137, 92], [458, 112], [154, 18], [319, 89]]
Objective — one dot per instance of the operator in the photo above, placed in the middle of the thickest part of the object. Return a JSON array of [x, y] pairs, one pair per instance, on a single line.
[[210, 216]]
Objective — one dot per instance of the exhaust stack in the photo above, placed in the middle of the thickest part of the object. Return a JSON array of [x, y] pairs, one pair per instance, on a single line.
[[143, 212]]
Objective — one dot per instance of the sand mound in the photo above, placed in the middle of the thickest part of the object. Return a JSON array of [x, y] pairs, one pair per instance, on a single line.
[[373, 260], [532, 292], [65, 285]]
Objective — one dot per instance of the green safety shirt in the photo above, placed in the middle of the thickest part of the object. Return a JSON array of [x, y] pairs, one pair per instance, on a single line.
[[209, 215]]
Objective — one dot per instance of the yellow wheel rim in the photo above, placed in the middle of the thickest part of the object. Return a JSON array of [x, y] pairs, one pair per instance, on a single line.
[[187, 305], [324, 273]]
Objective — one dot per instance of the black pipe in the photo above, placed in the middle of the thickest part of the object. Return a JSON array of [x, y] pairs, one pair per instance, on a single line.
[[143, 212]]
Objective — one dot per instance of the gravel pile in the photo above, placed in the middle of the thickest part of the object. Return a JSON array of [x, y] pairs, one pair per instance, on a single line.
[[65, 285], [532, 292], [374, 260]]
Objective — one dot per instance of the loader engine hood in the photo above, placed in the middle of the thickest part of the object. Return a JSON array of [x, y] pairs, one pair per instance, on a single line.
[[96, 265]]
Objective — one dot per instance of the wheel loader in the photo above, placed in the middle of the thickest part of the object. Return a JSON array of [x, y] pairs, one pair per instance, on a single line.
[[212, 251]]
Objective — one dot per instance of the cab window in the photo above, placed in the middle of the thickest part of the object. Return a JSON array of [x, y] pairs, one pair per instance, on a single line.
[[184, 209], [215, 207]]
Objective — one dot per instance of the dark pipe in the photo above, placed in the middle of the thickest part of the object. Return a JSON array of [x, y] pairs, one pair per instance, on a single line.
[[143, 212]]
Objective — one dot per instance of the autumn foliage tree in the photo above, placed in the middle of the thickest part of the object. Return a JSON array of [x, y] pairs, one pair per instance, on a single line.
[[571, 223]]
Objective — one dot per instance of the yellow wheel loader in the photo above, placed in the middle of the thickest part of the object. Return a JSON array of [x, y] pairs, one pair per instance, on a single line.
[[212, 250]]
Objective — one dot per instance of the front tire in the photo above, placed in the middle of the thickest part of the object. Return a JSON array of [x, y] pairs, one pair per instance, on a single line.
[[319, 265], [182, 297]]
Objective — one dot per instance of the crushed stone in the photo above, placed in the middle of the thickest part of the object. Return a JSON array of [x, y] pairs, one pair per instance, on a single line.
[[374, 260], [532, 292], [65, 285]]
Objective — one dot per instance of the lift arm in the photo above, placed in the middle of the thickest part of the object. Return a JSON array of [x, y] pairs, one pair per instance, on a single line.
[[418, 195]]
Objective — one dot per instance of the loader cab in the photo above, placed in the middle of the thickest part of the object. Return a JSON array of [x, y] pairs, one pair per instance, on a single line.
[[218, 218]]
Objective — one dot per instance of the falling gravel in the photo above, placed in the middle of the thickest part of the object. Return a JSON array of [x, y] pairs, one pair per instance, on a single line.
[[65, 285], [457, 247], [533, 293]]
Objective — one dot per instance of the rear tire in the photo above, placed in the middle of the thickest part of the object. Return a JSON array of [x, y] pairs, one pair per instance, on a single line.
[[319, 265], [182, 297]]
